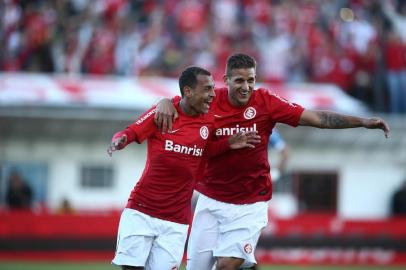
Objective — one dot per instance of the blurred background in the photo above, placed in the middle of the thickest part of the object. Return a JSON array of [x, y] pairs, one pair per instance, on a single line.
[[73, 72]]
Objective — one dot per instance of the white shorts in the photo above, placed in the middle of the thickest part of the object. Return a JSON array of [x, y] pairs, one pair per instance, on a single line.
[[149, 242], [224, 230]]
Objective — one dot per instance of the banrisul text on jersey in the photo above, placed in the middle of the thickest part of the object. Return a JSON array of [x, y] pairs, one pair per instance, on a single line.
[[183, 149], [228, 131]]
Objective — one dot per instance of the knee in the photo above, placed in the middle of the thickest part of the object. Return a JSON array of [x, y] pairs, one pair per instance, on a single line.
[[226, 263]]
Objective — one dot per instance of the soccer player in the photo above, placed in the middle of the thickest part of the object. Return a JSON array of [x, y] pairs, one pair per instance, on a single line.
[[154, 225], [232, 208]]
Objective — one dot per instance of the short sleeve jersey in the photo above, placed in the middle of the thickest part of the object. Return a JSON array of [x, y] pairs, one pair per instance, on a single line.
[[166, 186], [243, 176]]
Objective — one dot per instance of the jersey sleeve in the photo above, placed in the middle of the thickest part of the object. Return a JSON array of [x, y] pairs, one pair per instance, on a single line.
[[176, 99], [215, 148], [141, 129], [282, 110]]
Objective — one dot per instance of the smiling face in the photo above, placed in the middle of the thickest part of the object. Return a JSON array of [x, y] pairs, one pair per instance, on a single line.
[[200, 97], [240, 83]]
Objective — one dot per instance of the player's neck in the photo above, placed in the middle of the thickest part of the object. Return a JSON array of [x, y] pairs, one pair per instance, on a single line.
[[186, 108], [235, 103]]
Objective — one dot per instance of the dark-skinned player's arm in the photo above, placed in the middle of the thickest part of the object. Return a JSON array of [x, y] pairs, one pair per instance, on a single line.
[[120, 140], [333, 120], [247, 139], [135, 132], [165, 114]]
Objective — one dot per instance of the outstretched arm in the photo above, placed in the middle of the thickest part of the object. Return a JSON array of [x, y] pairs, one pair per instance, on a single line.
[[332, 120]]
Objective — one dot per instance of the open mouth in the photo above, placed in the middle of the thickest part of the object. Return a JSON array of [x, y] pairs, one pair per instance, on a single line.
[[244, 94], [206, 104]]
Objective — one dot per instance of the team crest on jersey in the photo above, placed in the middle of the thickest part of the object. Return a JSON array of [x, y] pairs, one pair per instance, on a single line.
[[204, 132], [248, 248], [250, 113]]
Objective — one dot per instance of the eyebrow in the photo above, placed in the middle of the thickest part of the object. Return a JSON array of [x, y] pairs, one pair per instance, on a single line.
[[241, 78]]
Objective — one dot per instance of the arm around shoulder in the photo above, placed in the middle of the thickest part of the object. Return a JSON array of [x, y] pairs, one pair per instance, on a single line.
[[165, 114]]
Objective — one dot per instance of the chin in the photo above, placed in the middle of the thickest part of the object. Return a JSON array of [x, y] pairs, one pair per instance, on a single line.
[[243, 101]]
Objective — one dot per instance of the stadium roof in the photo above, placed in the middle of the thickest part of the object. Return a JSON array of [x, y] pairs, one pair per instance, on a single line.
[[28, 91]]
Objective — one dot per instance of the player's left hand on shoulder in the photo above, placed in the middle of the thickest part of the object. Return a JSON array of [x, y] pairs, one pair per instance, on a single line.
[[165, 114]]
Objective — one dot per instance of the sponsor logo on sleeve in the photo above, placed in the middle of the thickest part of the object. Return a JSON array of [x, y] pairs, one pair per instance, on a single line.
[[250, 113], [145, 117], [285, 100]]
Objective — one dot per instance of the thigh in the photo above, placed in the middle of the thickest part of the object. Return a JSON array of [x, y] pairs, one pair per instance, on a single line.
[[203, 237], [162, 259], [134, 240], [168, 247], [240, 231]]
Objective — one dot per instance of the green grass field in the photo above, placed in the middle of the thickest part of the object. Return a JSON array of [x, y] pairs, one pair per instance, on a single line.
[[101, 266]]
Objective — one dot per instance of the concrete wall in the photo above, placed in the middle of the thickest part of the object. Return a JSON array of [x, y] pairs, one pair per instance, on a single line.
[[64, 165], [366, 181]]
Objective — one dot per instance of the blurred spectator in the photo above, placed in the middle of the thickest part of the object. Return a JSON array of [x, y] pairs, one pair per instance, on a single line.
[[395, 58], [339, 42], [65, 207], [396, 13], [19, 194], [398, 203]]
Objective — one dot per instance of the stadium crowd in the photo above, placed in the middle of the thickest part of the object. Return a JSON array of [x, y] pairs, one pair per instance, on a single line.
[[359, 45]]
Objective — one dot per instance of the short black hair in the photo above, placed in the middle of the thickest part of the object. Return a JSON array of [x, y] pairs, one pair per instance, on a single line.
[[189, 77], [239, 60]]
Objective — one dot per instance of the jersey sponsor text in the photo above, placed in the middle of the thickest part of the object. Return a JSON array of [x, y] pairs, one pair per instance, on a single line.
[[194, 151], [234, 130]]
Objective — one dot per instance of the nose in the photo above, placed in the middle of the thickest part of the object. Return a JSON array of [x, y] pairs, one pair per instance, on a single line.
[[245, 86], [212, 94]]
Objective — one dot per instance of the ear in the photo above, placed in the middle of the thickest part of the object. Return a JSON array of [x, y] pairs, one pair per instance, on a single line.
[[187, 91], [225, 79]]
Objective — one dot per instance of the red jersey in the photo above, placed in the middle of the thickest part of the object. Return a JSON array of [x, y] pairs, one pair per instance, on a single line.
[[243, 176], [166, 186]]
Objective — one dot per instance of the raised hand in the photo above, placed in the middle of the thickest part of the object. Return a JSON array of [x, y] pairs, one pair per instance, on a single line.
[[117, 144], [244, 139]]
